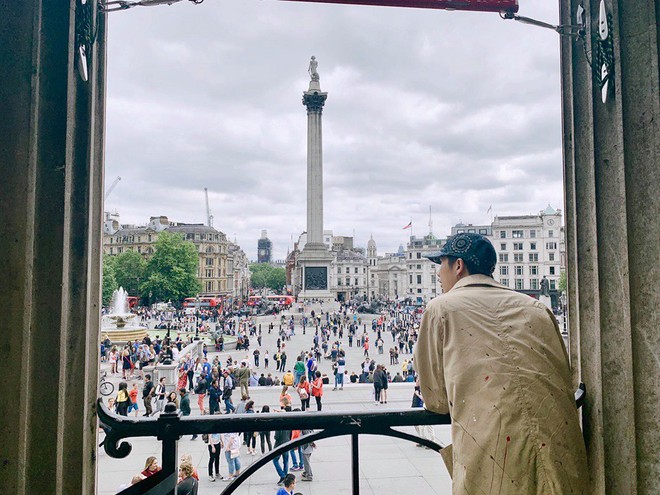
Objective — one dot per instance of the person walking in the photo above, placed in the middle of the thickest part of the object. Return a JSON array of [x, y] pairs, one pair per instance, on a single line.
[[161, 392], [215, 395], [282, 437], [304, 391], [307, 450], [201, 390], [184, 405], [250, 436], [264, 436], [123, 400], [378, 383], [494, 359], [317, 390], [148, 391], [231, 445], [243, 376], [214, 446], [226, 393]]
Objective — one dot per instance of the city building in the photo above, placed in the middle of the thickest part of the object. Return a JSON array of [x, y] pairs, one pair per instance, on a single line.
[[220, 271], [264, 248], [528, 247]]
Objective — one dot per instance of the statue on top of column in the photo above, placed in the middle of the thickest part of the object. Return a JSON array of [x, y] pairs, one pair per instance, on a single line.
[[313, 64]]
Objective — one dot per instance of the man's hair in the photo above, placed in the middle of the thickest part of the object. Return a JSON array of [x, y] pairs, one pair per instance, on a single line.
[[473, 268], [289, 480]]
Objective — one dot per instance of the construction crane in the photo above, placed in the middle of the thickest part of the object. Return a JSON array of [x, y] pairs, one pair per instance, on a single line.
[[111, 188], [209, 217]]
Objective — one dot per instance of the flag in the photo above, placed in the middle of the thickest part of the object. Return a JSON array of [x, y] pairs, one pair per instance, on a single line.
[[409, 226]]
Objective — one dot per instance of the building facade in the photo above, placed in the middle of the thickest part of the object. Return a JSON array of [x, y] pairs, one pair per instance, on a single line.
[[219, 271]]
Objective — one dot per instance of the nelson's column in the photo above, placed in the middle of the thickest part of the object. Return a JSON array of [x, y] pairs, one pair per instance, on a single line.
[[315, 259]]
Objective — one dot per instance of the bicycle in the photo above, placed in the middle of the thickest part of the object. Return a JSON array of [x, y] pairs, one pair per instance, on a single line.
[[105, 387]]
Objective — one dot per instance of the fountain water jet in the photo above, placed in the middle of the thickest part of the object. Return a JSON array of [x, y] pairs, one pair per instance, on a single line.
[[120, 324]]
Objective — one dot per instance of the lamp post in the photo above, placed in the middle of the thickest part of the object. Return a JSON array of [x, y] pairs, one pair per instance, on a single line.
[[197, 317]]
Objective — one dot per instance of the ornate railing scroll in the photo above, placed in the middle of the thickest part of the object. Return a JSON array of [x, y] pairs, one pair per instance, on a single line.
[[170, 426]]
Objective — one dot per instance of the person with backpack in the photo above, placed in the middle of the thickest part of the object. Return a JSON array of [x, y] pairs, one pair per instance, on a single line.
[[215, 395], [184, 405], [147, 394]]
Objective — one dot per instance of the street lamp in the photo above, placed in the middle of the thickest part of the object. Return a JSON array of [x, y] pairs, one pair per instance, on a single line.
[[197, 317]]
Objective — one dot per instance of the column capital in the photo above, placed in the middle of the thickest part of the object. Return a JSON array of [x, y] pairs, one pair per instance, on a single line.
[[314, 101]]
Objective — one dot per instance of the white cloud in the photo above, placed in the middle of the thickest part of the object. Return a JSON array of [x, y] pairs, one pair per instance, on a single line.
[[449, 109]]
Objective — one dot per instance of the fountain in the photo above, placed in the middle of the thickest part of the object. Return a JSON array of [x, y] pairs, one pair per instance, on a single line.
[[120, 324]]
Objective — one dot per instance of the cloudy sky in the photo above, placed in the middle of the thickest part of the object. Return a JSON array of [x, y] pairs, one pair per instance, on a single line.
[[453, 110]]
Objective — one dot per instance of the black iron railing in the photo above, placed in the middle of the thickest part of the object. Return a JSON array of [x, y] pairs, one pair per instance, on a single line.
[[170, 426]]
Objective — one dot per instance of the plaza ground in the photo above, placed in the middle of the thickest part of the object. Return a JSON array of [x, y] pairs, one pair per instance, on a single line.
[[387, 465]]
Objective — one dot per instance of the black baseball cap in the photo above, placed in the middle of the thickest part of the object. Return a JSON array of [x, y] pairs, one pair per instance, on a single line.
[[470, 247]]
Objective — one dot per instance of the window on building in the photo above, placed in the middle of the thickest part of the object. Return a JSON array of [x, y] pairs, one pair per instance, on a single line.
[[552, 270], [120, 250], [504, 258], [410, 279], [553, 285], [149, 237], [551, 256], [460, 231], [483, 231], [551, 245], [504, 282], [111, 251], [338, 281], [348, 280], [504, 270], [517, 246], [419, 279], [139, 249], [532, 234], [533, 270], [551, 233], [520, 284], [534, 284], [419, 291], [419, 256], [534, 257], [190, 237], [517, 234], [410, 256], [503, 246], [339, 270], [209, 273], [502, 234], [471, 231], [518, 269], [419, 267], [356, 282], [518, 257], [532, 246], [209, 286], [209, 261]]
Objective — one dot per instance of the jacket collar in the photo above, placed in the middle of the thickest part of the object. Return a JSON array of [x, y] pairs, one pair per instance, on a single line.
[[478, 280]]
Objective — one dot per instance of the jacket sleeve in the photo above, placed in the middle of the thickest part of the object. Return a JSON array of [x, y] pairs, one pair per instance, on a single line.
[[429, 361]]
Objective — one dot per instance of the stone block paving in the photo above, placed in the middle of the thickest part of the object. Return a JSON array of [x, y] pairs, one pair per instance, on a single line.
[[387, 465]]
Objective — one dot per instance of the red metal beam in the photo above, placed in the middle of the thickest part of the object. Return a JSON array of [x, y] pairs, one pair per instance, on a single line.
[[471, 5]]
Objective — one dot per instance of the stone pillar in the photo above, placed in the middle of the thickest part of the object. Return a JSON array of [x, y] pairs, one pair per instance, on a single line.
[[314, 99], [315, 260], [51, 192], [611, 171]]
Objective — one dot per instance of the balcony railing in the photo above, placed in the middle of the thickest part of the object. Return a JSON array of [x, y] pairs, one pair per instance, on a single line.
[[170, 426]]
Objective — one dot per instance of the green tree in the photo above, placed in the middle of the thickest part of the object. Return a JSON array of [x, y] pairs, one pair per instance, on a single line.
[[562, 285], [264, 275], [109, 284], [171, 272], [130, 269]]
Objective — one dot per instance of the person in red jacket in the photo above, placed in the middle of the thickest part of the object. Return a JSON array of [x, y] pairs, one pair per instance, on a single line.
[[317, 390]]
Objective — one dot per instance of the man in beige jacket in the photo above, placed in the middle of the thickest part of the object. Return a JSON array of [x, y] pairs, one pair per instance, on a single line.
[[495, 361]]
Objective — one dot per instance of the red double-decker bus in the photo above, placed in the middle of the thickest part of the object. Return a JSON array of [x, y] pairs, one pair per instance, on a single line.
[[281, 300], [132, 301], [204, 302]]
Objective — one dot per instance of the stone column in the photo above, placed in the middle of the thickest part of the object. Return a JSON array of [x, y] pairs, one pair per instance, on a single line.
[[51, 193], [314, 99], [611, 171]]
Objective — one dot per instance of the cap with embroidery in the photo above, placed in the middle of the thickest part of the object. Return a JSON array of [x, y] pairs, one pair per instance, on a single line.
[[473, 248]]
